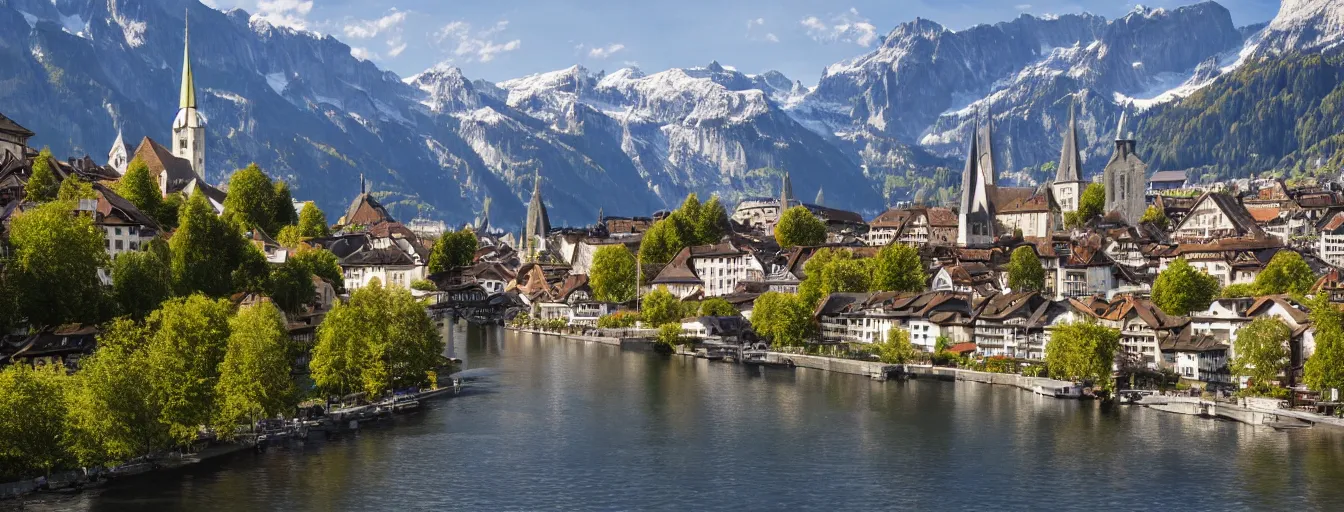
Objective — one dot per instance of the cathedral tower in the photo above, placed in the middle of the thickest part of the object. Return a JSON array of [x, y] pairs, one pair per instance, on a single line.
[[189, 125]]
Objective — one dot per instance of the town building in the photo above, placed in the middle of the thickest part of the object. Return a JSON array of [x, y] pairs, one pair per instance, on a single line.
[[1124, 179], [1068, 186], [975, 226], [13, 139]]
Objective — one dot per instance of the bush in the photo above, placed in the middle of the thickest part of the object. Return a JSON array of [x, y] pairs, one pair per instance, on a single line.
[[618, 320], [424, 285]]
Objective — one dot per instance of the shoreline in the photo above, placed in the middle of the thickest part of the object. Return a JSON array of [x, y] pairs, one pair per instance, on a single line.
[[1242, 413]]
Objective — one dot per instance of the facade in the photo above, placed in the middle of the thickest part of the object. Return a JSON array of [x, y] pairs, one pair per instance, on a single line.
[[975, 226], [13, 138], [1124, 179], [1216, 216], [722, 266], [1331, 245], [125, 228]]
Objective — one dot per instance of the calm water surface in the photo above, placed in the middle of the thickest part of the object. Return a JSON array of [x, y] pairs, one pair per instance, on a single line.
[[563, 425]]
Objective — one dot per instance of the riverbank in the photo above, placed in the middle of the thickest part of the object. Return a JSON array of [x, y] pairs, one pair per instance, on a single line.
[[1250, 412]]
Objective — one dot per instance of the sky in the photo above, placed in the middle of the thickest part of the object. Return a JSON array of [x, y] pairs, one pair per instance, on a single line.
[[502, 39]]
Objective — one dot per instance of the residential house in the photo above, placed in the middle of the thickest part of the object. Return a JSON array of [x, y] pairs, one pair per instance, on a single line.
[[1032, 215], [720, 267], [125, 227], [1199, 358], [1139, 321], [1231, 260], [678, 277], [1013, 324], [13, 138], [1331, 245], [1166, 180], [1216, 216]]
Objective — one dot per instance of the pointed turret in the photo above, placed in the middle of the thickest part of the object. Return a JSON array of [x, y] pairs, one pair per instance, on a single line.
[[786, 194], [189, 125], [538, 223], [1070, 157], [975, 225], [188, 96], [820, 201], [986, 148]]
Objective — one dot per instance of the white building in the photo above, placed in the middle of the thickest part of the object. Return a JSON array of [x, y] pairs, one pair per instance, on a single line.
[[1331, 246], [721, 266]]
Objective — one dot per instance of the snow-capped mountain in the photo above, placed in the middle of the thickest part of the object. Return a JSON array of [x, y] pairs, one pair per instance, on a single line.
[[1305, 25]]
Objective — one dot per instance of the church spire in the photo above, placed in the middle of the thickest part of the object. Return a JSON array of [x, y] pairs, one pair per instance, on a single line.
[[785, 194], [188, 97], [1070, 157]]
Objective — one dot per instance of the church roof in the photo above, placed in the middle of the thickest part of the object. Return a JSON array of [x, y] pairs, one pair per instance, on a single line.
[[1070, 156], [365, 211], [160, 160], [188, 95], [972, 177], [538, 221]]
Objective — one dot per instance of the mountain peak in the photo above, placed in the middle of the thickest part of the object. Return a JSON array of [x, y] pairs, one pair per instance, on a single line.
[[714, 66], [1305, 25]]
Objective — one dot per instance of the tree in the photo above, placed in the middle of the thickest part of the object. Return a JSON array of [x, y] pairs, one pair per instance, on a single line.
[[205, 251], [896, 348], [690, 212], [254, 380], [57, 254], [663, 241], [1025, 273], [1181, 288], [321, 263], [1324, 370], [1232, 291], [33, 433], [291, 286], [282, 207], [1155, 215], [1082, 351], [798, 226], [141, 281], [251, 272], [289, 237], [717, 306], [669, 335], [813, 288], [172, 206], [781, 318], [612, 275], [42, 184], [138, 187], [113, 415], [250, 203], [454, 249], [897, 268], [1285, 273], [380, 339], [660, 307], [73, 189], [313, 222], [1092, 204], [188, 341], [845, 275], [712, 221], [1261, 353]]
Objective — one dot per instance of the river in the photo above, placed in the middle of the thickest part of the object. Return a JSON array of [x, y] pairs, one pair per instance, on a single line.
[[557, 424]]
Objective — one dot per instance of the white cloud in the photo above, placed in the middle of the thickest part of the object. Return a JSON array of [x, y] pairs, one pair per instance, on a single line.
[[362, 53], [476, 44], [770, 36], [285, 13], [365, 29], [847, 27], [397, 46], [1022, 7], [602, 52], [756, 31]]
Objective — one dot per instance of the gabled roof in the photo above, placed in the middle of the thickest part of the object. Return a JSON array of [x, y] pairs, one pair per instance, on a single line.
[[160, 159], [9, 126], [1167, 177], [1070, 155], [1263, 304], [942, 217], [111, 205], [365, 211], [1035, 203], [678, 271], [1187, 341]]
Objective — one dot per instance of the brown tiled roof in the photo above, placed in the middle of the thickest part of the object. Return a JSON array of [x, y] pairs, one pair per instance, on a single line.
[[366, 211], [160, 159], [1032, 204], [1001, 197], [962, 348], [1227, 244], [1188, 341], [892, 218], [1263, 214], [942, 217], [678, 271], [8, 125], [1264, 303]]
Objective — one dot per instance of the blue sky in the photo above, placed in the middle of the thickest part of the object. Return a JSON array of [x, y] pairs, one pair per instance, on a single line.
[[501, 39]]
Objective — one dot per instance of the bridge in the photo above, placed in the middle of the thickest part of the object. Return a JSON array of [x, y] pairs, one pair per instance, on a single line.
[[470, 302]]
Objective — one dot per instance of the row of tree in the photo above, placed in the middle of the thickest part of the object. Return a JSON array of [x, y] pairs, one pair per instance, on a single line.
[[691, 224]]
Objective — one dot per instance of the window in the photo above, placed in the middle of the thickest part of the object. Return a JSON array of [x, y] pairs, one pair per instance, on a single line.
[[118, 231], [182, 143], [119, 245], [133, 229], [135, 246]]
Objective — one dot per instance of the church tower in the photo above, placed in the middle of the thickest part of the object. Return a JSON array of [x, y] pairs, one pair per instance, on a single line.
[[538, 223], [189, 125], [975, 226], [1069, 184], [1124, 178]]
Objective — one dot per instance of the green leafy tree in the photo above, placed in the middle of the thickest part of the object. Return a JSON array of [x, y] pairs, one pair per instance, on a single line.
[[424, 285], [254, 380], [612, 275], [250, 203], [1082, 351], [1181, 288], [282, 207], [896, 348], [171, 208], [711, 223], [1324, 370], [138, 187], [454, 249], [313, 222], [845, 276], [798, 226], [669, 335], [251, 273], [56, 258], [73, 189], [1232, 291], [113, 414], [1261, 353], [1025, 273], [380, 339], [42, 184], [897, 268], [1285, 273], [205, 251], [814, 285], [188, 341], [291, 286], [663, 241], [660, 307], [321, 263], [942, 343], [33, 432], [717, 306], [1092, 204], [782, 318], [690, 211], [141, 280], [1155, 215], [289, 237]]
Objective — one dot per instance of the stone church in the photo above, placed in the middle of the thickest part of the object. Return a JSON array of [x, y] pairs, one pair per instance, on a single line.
[[1125, 179]]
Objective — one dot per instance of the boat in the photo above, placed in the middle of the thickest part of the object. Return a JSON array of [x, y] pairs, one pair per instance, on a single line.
[[1132, 396], [1062, 390]]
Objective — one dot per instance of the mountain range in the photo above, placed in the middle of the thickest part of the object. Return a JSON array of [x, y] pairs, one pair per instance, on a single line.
[[881, 127]]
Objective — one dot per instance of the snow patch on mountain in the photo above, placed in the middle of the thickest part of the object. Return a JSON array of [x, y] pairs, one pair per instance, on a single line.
[[1306, 25]]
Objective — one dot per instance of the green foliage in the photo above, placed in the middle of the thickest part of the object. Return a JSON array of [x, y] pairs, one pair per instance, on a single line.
[[205, 251], [313, 222], [618, 320], [716, 306], [1155, 215], [1181, 288], [42, 184], [1024, 271], [321, 263], [424, 285], [798, 226], [251, 274], [114, 416], [454, 249], [55, 265], [1285, 273], [172, 206], [896, 348], [845, 275], [138, 187], [782, 318], [1081, 351], [1325, 368], [1238, 290], [664, 240], [660, 307], [942, 343], [250, 203], [690, 210], [669, 335], [289, 237], [33, 433], [187, 343], [1092, 204], [254, 379], [282, 208], [291, 286], [380, 339], [832, 270], [1261, 350], [898, 268], [73, 189], [141, 280], [612, 275], [711, 223]]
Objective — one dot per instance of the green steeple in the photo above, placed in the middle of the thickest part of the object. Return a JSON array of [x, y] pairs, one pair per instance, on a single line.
[[188, 99]]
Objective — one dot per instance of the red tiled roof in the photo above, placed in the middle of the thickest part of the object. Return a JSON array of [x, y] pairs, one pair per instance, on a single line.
[[962, 348]]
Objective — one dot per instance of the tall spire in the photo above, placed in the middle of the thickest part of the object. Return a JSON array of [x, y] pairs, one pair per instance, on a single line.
[[785, 194], [986, 153], [1070, 158], [1120, 130], [188, 97]]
